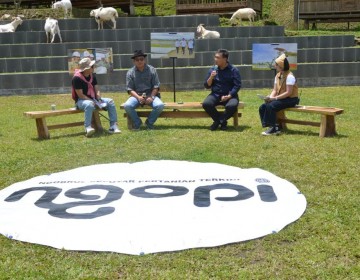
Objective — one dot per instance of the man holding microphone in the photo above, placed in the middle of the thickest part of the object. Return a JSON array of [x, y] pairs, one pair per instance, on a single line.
[[224, 81]]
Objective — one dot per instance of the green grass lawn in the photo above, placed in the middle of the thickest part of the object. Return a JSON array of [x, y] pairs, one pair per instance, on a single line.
[[322, 244]]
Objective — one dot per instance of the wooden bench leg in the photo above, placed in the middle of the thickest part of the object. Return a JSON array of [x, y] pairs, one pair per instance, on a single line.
[[280, 119], [327, 126], [42, 129], [96, 122], [129, 122], [236, 119]]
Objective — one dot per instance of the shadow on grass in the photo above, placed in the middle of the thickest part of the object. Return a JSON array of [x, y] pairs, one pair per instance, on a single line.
[[310, 133], [230, 129], [69, 135], [200, 127]]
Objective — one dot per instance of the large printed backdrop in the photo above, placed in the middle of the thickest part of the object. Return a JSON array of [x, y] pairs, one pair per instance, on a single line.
[[147, 207]]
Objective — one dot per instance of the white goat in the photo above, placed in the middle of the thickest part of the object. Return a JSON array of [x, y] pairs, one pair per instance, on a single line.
[[63, 4], [51, 29], [11, 27], [206, 34], [5, 17], [244, 13], [104, 14]]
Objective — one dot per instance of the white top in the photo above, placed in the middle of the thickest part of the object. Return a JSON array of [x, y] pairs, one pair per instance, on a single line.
[[290, 80]]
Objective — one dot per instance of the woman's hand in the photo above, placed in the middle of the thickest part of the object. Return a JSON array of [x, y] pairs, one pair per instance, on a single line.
[[269, 99]]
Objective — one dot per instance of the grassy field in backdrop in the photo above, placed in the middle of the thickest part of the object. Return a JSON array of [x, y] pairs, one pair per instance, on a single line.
[[322, 244]]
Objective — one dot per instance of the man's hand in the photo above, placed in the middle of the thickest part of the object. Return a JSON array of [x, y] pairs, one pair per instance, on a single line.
[[213, 74], [141, 99], [148, 100], [225, 98]]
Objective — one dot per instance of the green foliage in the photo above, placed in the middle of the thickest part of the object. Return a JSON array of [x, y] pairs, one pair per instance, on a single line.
[[322, 244], [162, 8], [280, 12]]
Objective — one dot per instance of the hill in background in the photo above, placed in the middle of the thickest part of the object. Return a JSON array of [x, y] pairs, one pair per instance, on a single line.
[[279, 12]]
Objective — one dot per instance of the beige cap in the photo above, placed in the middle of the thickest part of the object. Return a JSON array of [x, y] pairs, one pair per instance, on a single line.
[[86, 63]]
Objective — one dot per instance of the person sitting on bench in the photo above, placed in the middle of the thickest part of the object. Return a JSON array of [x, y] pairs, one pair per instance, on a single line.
[[142, 84], [224, 81], [284, 95], [86, 94]]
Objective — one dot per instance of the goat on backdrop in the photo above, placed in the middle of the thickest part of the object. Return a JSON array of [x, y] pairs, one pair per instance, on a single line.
[[206, 34]]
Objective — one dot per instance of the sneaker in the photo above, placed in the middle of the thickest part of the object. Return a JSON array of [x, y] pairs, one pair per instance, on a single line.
[[275, 130], [215, 125], [149, 126], [114, 129], [89, 131], [223, 125]]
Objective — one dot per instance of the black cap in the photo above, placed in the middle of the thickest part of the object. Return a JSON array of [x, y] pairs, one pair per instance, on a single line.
[[138, 53]]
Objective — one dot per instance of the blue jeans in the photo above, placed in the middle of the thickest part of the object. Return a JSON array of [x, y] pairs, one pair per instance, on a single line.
[[88, 107], [268, 110], [132, 103]]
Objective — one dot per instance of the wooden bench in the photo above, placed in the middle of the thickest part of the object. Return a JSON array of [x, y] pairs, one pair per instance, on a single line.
[[43, 128], [326, 124], [181, 110]]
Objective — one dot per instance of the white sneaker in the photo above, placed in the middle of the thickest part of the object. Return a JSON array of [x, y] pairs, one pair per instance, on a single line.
[[114, 129], [89, 131]]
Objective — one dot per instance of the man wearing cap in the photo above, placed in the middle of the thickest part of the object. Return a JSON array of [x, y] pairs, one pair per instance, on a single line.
[[142, 84], [86, 94], [284, 95], [86, 54], [224, 81], [74, 62]]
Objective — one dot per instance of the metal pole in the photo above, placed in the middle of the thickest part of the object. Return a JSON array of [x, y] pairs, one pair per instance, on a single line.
[[298, 14], [173, 59]]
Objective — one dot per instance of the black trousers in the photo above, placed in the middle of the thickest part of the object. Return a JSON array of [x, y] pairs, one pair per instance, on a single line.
[[268, 110], [210, 103]]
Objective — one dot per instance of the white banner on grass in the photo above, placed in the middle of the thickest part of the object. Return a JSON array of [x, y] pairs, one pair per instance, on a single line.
[[147, 207]]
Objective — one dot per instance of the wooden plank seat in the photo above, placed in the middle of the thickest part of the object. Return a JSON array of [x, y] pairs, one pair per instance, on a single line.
[[43, 128], [326, 123], [181, 110]]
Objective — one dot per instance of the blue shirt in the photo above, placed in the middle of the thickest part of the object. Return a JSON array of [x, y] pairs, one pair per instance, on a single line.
[[142, 81], [227, 81]]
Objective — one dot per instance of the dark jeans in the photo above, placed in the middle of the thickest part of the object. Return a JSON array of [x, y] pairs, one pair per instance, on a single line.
[[268, 110], [210, 103]]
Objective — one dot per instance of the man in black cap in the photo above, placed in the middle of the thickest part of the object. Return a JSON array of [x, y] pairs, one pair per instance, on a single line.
[[142, 84]]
